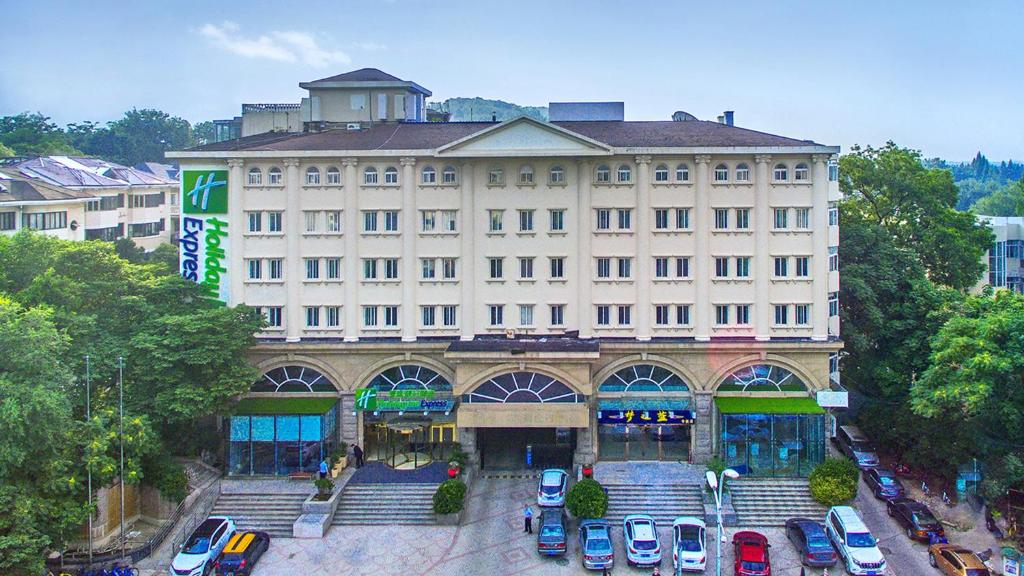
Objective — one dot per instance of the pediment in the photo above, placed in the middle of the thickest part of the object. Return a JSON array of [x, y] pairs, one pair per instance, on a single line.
[[524, 137]]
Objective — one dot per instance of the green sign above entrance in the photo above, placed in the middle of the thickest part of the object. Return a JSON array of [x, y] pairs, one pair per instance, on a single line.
[[373, 400]]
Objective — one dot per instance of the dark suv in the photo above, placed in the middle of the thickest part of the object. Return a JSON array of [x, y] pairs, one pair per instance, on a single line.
[[855, 444]]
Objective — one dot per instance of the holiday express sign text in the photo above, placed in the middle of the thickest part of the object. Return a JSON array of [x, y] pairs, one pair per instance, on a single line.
[[204, 231]]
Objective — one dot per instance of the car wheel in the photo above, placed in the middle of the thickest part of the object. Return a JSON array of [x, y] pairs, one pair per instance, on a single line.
[[931, 560]]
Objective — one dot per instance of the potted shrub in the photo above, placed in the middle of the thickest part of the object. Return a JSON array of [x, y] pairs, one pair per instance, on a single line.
[[834, 481], [587, 499], [448, 501], [338, 459], [324, 487]]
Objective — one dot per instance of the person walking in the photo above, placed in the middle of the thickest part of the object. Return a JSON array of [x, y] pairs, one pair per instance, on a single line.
[[358, 453], [323, 468], [528, 519]]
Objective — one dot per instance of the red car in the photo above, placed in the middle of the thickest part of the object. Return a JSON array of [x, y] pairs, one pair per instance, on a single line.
[[751, 551]]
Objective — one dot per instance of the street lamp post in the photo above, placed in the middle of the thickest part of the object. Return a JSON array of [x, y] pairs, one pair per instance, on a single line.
[[88, 467], [716, 484], [120, 425]]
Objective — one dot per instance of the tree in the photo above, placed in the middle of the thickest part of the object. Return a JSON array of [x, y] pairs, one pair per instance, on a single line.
[[6, 152], [1005, 201], [32, 134], [204, 133], [891, 187], [146, 134]]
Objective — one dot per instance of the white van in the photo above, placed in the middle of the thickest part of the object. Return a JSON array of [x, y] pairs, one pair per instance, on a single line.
[[854, 542]]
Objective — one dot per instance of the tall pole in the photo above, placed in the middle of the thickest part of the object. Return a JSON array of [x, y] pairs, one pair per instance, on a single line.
[[88, 466], [718, 535], [120, 426]]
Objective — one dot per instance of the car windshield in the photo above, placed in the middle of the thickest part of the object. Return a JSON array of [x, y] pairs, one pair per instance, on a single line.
[[860, 540], [197, 545], [599, 545], [863, 447], [645, 544], [924, 519], [887, 480], [753, 566]]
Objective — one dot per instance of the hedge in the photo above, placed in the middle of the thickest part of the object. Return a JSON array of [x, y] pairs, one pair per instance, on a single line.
[[587, 499], [834, 481], [450, 497]]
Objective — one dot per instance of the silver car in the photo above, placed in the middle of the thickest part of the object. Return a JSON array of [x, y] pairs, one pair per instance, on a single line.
[[552, 488], [643, 547]]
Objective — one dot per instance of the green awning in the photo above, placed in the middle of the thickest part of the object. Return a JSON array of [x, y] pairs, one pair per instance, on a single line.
[[266, 406], [756, 405]]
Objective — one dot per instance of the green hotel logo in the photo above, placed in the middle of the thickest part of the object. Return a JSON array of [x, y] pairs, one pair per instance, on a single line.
[[205, 191], [366, 399]]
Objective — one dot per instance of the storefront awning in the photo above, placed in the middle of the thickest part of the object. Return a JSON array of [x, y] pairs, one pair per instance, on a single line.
[[262, 406], [756, 405], [523, 415]]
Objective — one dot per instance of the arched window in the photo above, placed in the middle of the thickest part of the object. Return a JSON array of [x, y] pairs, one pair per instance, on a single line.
[[682, 173], [410, 377], [624, 174], [522, 387], [293, 379], [391, 175], [762, 378], [801, 173], [603, 174], [526, 175], [370, 175], [274, 176], [644, 378], [556, 175], [721, 173], [333, 176], [255, 177], [428, 175], [312, 176], [743, 173], [661, 173], [448, 176], [781, 173]]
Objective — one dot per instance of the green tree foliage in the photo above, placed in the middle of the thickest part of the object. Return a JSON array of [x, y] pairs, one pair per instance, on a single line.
[[1005, 201], [5, 151], [203, 133], [890, 186], [587, 499], [140, 136], [32, 134]]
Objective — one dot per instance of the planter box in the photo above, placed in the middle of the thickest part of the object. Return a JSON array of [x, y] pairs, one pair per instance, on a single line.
[[449, 519], [311, 506], [342, 464]]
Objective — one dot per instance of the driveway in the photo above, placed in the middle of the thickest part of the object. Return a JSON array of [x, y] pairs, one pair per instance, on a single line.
[[904, 556]]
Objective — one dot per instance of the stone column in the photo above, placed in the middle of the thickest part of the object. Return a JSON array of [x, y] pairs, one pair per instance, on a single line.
[[409, 279], [349, 420], [703, 427], [702, 249], [584, 257], [351, 231], [293, 236], [643, 248], [236, 244], [819, 256], [762, 248], [584, 453], [467, 438], [467, 238]]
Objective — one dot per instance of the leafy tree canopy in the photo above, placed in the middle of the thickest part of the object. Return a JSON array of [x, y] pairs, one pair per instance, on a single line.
[[32, 134], [1005, 201]]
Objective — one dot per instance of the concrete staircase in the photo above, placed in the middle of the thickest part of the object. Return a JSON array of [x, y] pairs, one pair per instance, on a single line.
[[771, 501], [391, 504], [664, 502], [271, 513]]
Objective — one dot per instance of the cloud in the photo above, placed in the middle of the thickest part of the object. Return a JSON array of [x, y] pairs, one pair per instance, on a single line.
[[371, 46], [280, 46]]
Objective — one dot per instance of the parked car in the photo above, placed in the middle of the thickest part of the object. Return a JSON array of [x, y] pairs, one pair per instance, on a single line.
[[855, 444], [202, 547], [854, 542], [642, 545], [751, 554], [241, 553], [916, 518], [596, 544], [689, 545], [956, 561], [884, 484], [809, 538], [551, 537], [552, 487]]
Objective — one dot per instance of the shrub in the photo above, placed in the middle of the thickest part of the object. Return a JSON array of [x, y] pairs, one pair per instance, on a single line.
[[165, 474], [459, 457], [587, 499], [450, 497], [834, 481]]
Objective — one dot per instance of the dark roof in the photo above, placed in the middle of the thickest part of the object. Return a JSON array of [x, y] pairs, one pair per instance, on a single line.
[[17, 188], [433, 135], [362, 75], [524, 345]]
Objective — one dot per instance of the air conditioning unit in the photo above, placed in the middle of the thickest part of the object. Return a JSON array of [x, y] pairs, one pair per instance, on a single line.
[[353, 126]]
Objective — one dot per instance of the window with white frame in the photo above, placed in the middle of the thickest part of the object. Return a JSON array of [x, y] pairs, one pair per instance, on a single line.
[[721, 315], [833, 171], [662, 314], [803, 218], [448, 176], [428, 315], [625, 218], [781, 218], [743, 218], [312, 176], [721, 173], [526, 268], [603, 174], [721, 218], [428, 268], [557, 267], [526, 314], [275, 177], [333, 316], [391, 268], [604, 219], [781, 173], [333, 266], [556, 175], [428, 175], [526, 175], [312, 316], [624, 174], [604, 315], [683, 218], [276, 266], [801, 173], [742, 173], [526, 220], [802, 314], [781, 314], [721, 267], [448, 268], [255, 267], [604, 267], [625, 266], [311, 218], [332, 224], [391, 175], [255, 177], [557, 220], [743, 314], [274, 221], [273, 315], [496, 220], [661, 219], [428, 220], [255, 221], [495, 177], [743, 266], [370, 175], [449, 221], [833, 258], [333, 176], [833, 216], [833, 303], [449, 315], [781, 266], [683, 314], [390, 316], [369, 269], [369, 221], [557, 314], [495, 268], [370, 316], [625, 312], [661, 173], [682, 173], [682, 267], [391, 220], [661, 265], [803, 266], [312, 268], [496, 314]]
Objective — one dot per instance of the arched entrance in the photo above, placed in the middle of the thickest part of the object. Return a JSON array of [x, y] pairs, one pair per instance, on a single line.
[[643, 413]]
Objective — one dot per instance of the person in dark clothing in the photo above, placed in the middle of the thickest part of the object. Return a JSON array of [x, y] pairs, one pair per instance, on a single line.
[[358, 453], [528, 520]]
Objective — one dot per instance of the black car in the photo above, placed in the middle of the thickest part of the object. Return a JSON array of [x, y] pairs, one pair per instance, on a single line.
[[916, 518], [884, 484], [809, 538], [551, 538], [242, 552]]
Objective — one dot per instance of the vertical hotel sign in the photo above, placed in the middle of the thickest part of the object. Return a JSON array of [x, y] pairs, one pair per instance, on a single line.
[[204, 242]]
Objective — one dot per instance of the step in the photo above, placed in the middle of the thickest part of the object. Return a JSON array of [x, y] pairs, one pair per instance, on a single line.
[[386, 504]]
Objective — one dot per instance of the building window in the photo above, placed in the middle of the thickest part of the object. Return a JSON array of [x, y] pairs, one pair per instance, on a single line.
[[743, 218], [311, 219], [369, 221], [743, 267], [526, 220], [255, 177], [274, 221], [557, 219], [833, 258], [428, 175], [557, 268], [495, 218], [624, 174], [683, 314], [781, 266], [135, 230], [556, 175], [661, 267], [721, 218], [495, 177], [369, 269], [557, 314], [833, 171], [801, 173], [721, 267], [526, 314], [833, 303], [495, 268], [312, 268], [625, 218], [427, 314], [683, 267], [333, 316], [603, 174], [255, 269], [448, 176], [255, 221], [625, 315], [391, 268], [625, 266], [781, 314], [743, 314], [781, 173], [448, 268], [604, 219], [781, 218], [526, 268], [496, 313], [802, 266], [803, 218], [428, 267], [312, 176], [312, 316], [428, 220], [743, 173], [391, 221], [683, 218], [526, 175], [661, 219], [802, 314], [391, 175], [449, 221], [661, 314], [276, 268], [833, 216], [273, 315], [333, 221], [370, 316], [721, 173], [333, 176], [333, 268], [661, 173], [682, 173], [391, 316], [448, 315], [54, 221], [370, 175], [721, 315], [274, 176], [604, 266], [604, 315]]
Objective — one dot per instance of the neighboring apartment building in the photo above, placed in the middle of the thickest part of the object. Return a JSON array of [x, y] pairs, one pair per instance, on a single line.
[[122, 202], [28, 203], [575, 290], [1005, 259]]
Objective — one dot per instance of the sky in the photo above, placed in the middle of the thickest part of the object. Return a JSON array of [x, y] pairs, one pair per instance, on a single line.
[[940, 76]]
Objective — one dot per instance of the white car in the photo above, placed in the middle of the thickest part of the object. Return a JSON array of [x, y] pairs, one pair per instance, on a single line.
[[853, 541], [689, 544], [642, 545], [199, 552], [552, 488]]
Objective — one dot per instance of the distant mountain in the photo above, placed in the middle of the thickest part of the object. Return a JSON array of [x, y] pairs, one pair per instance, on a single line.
[[482, 110]]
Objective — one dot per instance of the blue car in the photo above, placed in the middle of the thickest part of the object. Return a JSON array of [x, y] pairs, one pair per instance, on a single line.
[[596, 544], [809, 538]]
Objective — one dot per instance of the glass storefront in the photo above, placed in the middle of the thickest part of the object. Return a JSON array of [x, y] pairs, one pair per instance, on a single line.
[[406, 443], [283, 442], [772, 444], [643, 414]]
